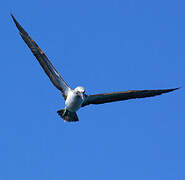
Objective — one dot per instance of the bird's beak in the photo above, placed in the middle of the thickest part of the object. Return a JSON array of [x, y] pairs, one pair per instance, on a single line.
[[82, 96]]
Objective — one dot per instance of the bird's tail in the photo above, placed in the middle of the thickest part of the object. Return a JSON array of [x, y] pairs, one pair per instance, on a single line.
[[67, 115]]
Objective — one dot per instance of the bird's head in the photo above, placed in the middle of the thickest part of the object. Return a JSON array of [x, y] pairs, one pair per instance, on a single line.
[[80, 91]]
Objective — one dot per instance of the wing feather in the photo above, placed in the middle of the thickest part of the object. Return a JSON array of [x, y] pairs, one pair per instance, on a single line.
[[49, 69], [123, 95]]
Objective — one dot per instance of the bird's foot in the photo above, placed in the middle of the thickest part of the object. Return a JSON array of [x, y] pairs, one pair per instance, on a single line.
[[64, 113]]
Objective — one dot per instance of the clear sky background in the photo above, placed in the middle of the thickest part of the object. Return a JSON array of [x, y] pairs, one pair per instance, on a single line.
[[105, 46]]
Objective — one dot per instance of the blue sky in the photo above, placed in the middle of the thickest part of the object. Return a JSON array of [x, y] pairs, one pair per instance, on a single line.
[[105, 46]]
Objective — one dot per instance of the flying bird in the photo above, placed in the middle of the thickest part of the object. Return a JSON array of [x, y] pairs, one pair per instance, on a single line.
[[76, 98]]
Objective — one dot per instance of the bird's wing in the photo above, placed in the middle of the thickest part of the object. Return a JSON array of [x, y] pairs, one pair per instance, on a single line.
[[123, 95], [49, 69]]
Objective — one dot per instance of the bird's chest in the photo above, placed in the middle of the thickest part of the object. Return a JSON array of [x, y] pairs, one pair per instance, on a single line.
[[73, 102]]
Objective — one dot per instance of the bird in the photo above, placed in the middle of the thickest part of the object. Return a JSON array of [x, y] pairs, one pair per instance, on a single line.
[[77, 98]]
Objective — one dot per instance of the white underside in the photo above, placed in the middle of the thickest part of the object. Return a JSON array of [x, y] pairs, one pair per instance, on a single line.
[[73, 102]]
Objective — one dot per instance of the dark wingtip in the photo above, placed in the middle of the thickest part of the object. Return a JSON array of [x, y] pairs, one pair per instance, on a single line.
[[20, 28], [13, 19], [11, 14], [169, 90], [176, 88]]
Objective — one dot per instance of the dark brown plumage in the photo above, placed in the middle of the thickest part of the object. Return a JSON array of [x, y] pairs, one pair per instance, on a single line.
[[123, 95], [49, 69]]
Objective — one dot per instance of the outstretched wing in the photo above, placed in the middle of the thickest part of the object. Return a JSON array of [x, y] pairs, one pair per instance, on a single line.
[[123, 95], [52, 73]]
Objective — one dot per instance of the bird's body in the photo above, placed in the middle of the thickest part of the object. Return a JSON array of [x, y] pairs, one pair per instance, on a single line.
[[76, 98], [74, 101]]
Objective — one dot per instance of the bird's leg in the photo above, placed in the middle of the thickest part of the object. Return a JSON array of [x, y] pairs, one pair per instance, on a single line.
[[65, 112]]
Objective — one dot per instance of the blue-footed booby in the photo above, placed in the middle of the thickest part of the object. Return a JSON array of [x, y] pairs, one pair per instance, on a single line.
[[76, 98]]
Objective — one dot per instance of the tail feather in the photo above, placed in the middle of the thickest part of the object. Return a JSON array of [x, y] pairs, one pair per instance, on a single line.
[[68, 115]]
